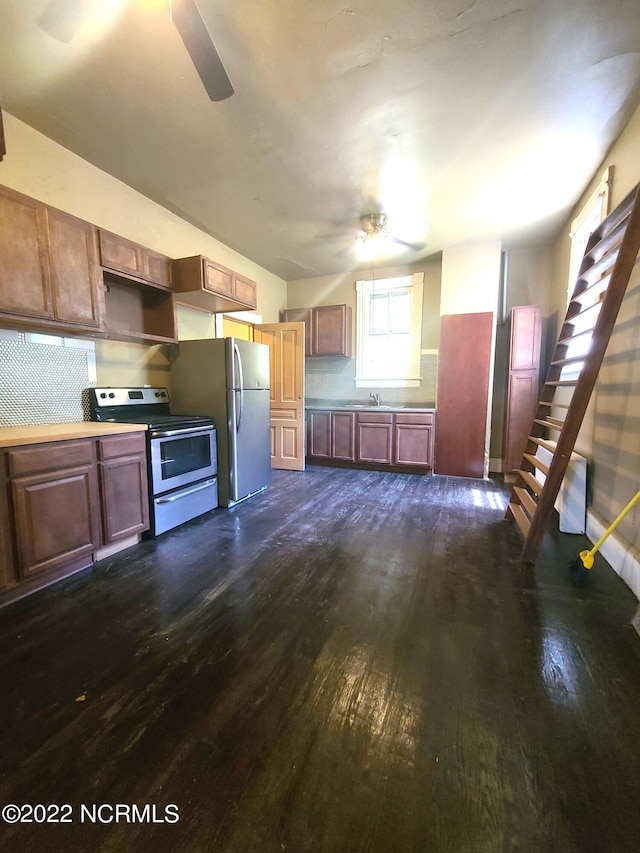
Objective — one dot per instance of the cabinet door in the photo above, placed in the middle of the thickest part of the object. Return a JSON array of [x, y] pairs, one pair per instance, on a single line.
[[343, 438], [375, 438], [301, 315], [156, 267], [119, 254], [217, 279], [331, 330], [319, 434], [245, 290], [125, 499], [464, 369], [414, 439], [25, 278], [75, 273], [523, 382], [57, 519]]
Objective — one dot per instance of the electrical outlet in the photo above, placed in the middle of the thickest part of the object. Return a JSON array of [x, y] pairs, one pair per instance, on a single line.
[[636, 620]]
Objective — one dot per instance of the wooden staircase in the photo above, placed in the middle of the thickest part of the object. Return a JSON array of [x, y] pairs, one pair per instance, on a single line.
[[606, 268]]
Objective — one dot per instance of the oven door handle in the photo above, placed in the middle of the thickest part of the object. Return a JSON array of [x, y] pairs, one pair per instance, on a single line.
[[167, 433], [169, 499]]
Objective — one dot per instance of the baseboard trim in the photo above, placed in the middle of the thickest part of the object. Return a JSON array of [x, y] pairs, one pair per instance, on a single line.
[[621, 556]]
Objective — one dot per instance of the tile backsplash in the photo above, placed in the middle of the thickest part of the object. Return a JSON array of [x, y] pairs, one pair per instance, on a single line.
[[333, 379], [42, 378]]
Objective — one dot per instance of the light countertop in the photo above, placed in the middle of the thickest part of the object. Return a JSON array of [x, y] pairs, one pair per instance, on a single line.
[[359, 407], [15, 436]]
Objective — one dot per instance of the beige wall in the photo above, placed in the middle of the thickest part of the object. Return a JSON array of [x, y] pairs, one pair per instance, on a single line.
[[610, 438], [471, 278], [42, 169]]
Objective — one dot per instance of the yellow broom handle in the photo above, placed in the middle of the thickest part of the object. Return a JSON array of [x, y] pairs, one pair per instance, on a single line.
[[613, 526]]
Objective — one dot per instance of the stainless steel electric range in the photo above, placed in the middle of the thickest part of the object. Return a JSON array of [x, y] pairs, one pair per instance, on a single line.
[[181, 452]]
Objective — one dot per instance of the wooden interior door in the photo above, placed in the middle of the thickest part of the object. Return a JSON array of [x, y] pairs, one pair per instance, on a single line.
[[286, 358], [464, 367]]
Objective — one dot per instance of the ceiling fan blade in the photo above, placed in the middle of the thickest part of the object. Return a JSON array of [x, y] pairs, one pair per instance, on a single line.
[[61, 19], [415, 247], [195, 35]]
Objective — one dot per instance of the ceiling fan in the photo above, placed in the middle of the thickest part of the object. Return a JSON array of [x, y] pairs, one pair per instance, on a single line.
[[61, 19], [373, 226]]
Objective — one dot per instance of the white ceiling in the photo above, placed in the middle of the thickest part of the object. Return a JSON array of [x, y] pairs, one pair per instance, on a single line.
[[464, 120]]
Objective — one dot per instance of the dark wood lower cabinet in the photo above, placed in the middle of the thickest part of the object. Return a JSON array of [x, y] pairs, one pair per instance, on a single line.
[[414, 436], [375, 438], [398, 439], [123, 486], [56, 506], [68, 499], [319, 434], [343, 444]]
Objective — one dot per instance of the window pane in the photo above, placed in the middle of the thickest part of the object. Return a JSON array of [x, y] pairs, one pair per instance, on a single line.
[[399, 312], [379, 314]]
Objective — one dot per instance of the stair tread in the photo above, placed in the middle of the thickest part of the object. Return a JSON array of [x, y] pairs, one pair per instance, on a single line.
[[537, 463], [521, 518]]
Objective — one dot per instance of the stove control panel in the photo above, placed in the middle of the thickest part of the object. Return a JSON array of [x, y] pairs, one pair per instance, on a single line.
[[129, 396]]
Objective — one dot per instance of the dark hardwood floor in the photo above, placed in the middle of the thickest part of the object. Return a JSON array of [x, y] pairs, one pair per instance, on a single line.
[[352, 661]]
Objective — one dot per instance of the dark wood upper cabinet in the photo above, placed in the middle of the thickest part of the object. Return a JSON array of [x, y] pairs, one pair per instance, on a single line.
[[205, 284], [301, 315], [328, 328], [75, 273], [60, 273], [49, 271], [133, 260], [25, 271]]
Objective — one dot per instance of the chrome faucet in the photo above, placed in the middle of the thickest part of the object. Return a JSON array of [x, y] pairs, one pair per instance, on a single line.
[[376, 398]]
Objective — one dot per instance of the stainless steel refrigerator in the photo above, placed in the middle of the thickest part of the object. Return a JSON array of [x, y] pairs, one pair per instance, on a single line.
[[228, 378]]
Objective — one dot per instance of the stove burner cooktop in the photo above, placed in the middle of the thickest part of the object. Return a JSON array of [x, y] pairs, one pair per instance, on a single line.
[[148, 406]]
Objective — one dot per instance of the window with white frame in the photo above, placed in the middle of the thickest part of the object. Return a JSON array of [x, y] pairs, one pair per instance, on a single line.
[[585, 223], [389, 331]]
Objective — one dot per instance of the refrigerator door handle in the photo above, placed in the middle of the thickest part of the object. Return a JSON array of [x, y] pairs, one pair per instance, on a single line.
[[236, 353]]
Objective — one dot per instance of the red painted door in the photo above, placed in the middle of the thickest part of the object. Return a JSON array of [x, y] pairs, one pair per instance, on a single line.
[[464, 366]]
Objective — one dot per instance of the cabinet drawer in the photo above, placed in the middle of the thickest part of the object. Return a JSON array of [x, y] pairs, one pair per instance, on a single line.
[[419, 418], [375, 417], [131, 444], [50, 457]]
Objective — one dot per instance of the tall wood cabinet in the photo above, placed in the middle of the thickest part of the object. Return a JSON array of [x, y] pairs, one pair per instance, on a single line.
[[464, 368], [523, 383]]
